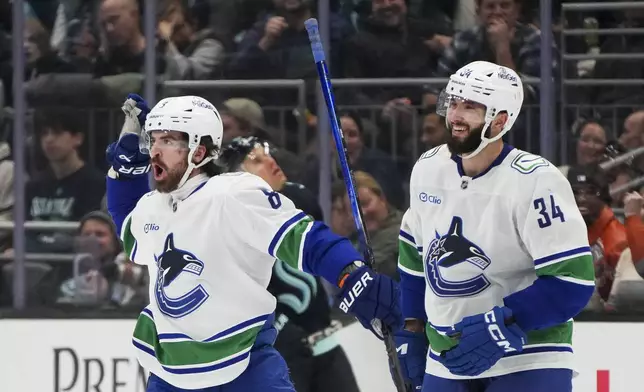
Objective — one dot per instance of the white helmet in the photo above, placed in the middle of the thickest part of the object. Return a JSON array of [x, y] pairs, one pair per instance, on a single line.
[[191, 115], [497, 87]]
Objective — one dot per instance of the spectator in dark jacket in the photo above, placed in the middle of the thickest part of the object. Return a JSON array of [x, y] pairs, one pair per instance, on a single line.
[[375, 162], [498, 38], [192, 51], [391, 45]]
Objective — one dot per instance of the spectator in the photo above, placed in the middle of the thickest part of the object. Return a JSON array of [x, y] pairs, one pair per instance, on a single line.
[[244, 117], [633, 135], [381, 221], [6, 192], [606, 235], [591, 144], [393, 45], [498, 38], [434, 132], [192, 52], [375, 162], [633, 202], [123, 43], [69, 188], [342, 222], [104, 274], [278, 47]]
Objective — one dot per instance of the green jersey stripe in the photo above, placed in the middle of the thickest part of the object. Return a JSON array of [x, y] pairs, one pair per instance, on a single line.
[[559, 334], [127, 237], [185, 353], [409, 259], [291, 245], [580, 268]]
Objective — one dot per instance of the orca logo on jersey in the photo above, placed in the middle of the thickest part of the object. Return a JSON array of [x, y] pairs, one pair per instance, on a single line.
[[450, 250], [171, 264]]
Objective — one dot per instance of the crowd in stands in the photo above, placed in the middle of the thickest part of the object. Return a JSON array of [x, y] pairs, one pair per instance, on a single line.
[[82, 58]]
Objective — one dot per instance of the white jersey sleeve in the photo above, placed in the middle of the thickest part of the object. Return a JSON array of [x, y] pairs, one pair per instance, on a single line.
[[270, 223], [553, 230], [267, 220], [410, 247]]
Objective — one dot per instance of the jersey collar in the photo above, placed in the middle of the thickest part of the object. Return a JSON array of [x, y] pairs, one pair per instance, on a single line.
[[504, 153], [191, 186]]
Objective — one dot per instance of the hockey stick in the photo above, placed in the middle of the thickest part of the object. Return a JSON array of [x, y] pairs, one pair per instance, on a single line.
[[340, 145]]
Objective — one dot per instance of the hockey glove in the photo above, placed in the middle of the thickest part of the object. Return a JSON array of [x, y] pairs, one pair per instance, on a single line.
[[484, 339], [373, 299], [136, 111], [412, 353], [126, 159], [125, 156]]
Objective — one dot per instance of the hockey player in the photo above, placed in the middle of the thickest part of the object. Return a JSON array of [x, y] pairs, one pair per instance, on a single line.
[[209, 242], [494, 256], [306, 339]]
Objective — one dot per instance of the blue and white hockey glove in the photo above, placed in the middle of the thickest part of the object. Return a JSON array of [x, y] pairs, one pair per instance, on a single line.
[[372, 298], [124, 155], [411, 348], [484, 339]]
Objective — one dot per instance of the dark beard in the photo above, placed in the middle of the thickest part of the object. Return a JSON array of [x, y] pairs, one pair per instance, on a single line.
[[471, 142], [172, 179]]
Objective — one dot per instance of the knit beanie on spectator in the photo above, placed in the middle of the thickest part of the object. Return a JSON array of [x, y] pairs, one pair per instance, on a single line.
[[105, 218]]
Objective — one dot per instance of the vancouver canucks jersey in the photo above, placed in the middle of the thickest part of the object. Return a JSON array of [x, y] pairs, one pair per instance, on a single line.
[[477, 240], [210, 255]]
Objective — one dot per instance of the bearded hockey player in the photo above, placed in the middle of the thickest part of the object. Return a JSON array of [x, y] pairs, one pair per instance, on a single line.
[[209, 242], [494, 256]]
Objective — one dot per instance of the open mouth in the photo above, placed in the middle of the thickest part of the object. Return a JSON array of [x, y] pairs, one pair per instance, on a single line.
[[459, 129], [158, 172]]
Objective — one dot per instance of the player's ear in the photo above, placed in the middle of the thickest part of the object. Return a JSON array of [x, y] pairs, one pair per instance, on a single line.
[[199, 155], [498, 123]]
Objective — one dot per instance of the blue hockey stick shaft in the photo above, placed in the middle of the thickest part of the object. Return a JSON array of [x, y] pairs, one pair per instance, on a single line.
[[347, 173]]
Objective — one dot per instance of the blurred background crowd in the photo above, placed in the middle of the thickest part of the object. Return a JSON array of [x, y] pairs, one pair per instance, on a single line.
[[251, 58]]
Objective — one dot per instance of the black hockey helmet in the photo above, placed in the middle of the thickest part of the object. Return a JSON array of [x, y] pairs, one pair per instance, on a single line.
[[233, 153]]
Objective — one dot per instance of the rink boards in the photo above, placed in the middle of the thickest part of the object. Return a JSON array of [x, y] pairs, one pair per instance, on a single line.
[[96, 356]]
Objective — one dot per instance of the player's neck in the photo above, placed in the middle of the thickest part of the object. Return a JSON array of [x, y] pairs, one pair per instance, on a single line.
[[480, 162]]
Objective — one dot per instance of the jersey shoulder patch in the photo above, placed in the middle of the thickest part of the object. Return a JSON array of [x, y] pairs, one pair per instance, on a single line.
[[526, 163], [430, 153]]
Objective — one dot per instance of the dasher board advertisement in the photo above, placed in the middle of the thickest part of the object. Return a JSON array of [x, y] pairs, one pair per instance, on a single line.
[[97, 356]]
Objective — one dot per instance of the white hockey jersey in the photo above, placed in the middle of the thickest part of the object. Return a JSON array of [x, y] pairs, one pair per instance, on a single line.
[[478, 240], [209, 257]]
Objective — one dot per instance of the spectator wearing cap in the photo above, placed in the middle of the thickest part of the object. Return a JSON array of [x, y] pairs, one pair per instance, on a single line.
[[243, 117], [606, 235], [105, 273]]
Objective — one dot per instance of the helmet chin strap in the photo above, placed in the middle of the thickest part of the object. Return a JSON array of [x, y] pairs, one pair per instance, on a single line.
[[191, 167], [484, 142]]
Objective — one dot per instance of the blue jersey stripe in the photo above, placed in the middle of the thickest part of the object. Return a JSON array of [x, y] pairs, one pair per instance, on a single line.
[[282, 229], [561, 255]]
